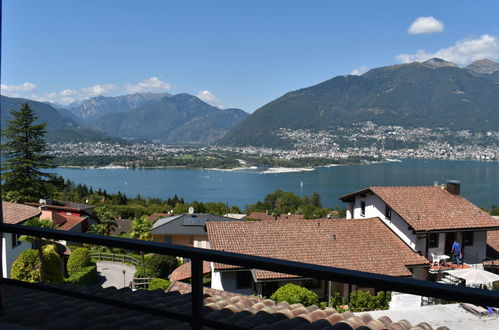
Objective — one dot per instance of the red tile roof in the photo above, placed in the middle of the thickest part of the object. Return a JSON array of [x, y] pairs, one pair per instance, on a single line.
[[71, 221], [265, 216], [357, 244], [183, 272], [429, 208], [14, 213]]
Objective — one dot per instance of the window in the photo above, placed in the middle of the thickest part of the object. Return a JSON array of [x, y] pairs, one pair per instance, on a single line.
[[433, 241], [243, 280], [312, 284], [15, 240], [388, 212], [362, 208], [167, 239], [467, 238]]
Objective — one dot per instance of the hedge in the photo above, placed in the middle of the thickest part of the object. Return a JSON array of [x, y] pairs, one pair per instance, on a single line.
[[161, 266], [79, 259], [293, 294], [159, 283], [86, 276]]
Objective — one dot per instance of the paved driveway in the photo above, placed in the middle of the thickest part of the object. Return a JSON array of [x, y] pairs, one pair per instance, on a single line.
[[112, 274]]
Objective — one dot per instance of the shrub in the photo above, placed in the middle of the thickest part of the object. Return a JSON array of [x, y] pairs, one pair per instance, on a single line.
[[336, 301], [79, 259], [361, 301], [86, 276], [161, 266], [26, 267], [293, 294], [53, 266], [159, 283], [140, 273]]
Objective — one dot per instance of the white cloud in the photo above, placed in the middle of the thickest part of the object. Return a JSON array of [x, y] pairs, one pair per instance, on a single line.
[[359, 71], [153, 84], [68, 92], [14, 89], [98, 89], [424, 25], [462, 52], [209, 98]]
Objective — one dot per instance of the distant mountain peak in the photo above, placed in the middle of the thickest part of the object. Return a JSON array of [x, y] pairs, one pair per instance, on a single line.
[[438, 63], [484, 66]]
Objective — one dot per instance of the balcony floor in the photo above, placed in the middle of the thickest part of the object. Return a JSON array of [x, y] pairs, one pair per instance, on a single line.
[[448, 266]]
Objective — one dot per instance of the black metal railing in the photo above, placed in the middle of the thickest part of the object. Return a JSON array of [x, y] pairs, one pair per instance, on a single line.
[[198, 255]]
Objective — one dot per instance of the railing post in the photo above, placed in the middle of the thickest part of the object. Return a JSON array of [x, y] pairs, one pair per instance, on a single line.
[[197, 293]]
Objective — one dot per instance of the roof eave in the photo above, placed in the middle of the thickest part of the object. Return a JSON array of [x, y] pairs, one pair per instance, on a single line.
[[450, 230], [349, 197]]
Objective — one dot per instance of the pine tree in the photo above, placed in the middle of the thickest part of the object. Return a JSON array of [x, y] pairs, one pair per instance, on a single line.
[[25, 153]]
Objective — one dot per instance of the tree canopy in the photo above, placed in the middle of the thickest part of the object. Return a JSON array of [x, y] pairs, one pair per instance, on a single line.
[[25, 153]]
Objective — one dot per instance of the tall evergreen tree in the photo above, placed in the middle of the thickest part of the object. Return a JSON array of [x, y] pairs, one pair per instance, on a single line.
[[25, 154]]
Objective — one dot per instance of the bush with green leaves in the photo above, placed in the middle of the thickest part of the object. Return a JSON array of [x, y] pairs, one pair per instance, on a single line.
[[336, 301], [159, 283], [53, 266], [26, 267], [361, 301], [79, 259], [161, 266], [293, 294], [86, 276]]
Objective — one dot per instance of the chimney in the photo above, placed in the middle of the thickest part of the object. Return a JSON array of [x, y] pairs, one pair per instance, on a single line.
[[453, 187]]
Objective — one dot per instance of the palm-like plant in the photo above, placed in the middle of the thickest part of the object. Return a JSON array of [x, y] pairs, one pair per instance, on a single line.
[[39, 242], [141, 230], [107, 220]]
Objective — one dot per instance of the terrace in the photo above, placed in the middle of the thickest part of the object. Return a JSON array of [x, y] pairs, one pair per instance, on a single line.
[[195, 316]]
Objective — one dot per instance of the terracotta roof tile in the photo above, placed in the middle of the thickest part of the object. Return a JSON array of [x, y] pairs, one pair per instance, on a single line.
[[428, 208], [183, 272], [52, 311], [14, 213], [357, 244], [71, 221]]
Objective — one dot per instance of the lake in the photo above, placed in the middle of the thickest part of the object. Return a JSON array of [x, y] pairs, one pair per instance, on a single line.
[[479, 181]]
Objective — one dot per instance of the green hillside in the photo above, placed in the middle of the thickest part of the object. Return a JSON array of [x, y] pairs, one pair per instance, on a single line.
[[59, 128], [411, 95]]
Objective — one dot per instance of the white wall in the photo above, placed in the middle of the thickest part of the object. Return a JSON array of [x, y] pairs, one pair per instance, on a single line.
[[375, 207], [226, 281], [9, 254]]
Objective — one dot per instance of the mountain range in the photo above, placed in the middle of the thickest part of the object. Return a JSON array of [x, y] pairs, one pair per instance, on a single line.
[[59, 128], [435, 93], [88, 110], [177, 119], [172, 119]]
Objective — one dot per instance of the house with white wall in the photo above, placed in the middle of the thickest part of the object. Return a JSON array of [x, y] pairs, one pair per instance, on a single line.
[[427, 218], [364, 245], [12, 247]]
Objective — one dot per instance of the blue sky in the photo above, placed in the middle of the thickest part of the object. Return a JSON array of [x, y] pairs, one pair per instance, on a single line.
[[230, 53]]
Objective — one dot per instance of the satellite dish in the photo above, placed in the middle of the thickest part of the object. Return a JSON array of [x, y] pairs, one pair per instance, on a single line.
[[191, 210]]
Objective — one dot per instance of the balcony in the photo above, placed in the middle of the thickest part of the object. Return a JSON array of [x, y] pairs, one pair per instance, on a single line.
[[194, 311]]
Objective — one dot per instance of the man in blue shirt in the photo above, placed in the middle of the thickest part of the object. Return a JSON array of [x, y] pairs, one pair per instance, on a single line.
[[456, 252]]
